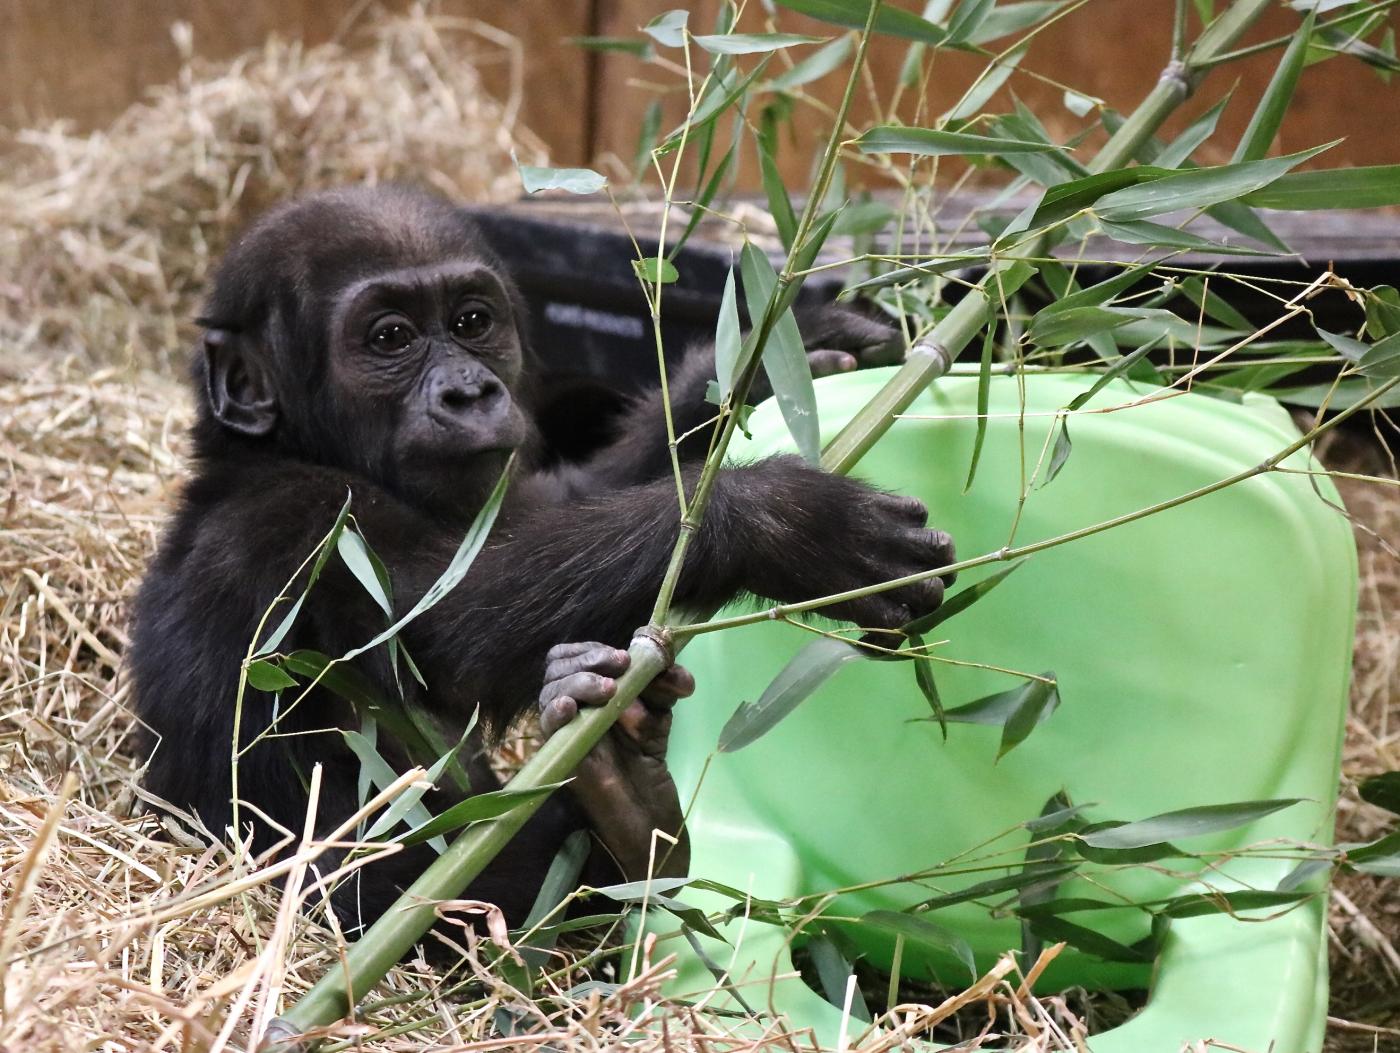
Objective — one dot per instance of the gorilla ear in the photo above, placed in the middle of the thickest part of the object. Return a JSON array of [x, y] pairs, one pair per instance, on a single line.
[[236, 385]]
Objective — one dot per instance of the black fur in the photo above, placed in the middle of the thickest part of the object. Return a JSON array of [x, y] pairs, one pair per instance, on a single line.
[[294, 412]]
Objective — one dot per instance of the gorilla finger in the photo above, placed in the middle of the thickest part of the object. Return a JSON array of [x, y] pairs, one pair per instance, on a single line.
[[599, 658], [826, 363], [568, 650], [903, 508], [887, 352], [923, 597], [588, 689], [939, 549], [556, 713], [640, 723], [673, 684]]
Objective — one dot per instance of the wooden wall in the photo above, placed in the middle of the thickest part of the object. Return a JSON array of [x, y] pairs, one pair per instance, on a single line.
[[87, 59]]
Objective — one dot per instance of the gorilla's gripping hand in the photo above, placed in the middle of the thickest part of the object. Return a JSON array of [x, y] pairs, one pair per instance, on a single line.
[[622, 785]]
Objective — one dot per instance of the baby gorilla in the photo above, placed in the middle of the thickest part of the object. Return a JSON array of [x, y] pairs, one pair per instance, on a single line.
[[367, 342]]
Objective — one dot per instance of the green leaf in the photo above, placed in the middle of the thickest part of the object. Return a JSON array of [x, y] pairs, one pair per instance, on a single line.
[[1056, 328], [574, 180], [1268, 115], [853, 15], [984, 391], [1063, 200], [980, 93], [1178, 152], [457, 567], [1077, 104], [1196, 188], [402, 805], [1060, 454], [967, 18], [1202, 904], [1161, 236], [1350, 349], [1006, 19], [930, 142], [1382, 359], [475, 809], [1382, 311], [811, 667], [1034, 874], [1380, 857], [646, 137], [1212, 304], [328, 545], [1382, 790], [656, 269], [628, 45], [779, 205], [701, 203], [814, 66], [367, 569], [834, 975], [923, 932], [752, 43], [1057, 930], [727, 339], [1187, 822], [862, 217], [961, 600], [784, 356], [1032, 702], [722, 94], [1375, 186], [383, 776], [993, 710], [266, 676], [668, 29], [923, 676]]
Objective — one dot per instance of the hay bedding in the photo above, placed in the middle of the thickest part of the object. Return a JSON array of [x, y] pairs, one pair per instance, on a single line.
[[116, 934]]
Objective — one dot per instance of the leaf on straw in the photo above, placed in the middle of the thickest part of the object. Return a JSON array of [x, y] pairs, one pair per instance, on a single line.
[[811, 667], [1350, 349], [382, 774], [1161, 236], [779, 204], [727, 340], [784, 356], [967, 18], [984, 390], [1032, 702], [574, 180], [1057, 930], [1186, 822], [1383, 791], [1382, 311], [1382, 359], [1203, 904], [367, 569], [923, 932], [752, 43], [930, 142]]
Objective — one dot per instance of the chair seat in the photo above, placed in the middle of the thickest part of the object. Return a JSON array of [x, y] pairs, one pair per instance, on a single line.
[[1203, 656]]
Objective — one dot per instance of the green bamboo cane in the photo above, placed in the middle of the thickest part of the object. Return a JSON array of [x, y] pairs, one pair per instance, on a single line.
[[652, 650]]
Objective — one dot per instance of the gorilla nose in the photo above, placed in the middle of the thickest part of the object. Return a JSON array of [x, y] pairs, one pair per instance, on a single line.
[[457, 397]]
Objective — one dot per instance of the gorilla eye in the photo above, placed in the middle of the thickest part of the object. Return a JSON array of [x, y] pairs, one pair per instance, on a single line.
[[471, 323], [390, 335]]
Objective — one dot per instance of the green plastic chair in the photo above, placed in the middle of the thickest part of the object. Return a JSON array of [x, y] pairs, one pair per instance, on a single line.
[[1203, 656]]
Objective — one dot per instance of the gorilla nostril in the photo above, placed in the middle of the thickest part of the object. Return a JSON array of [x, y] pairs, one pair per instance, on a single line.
[[457, 399]]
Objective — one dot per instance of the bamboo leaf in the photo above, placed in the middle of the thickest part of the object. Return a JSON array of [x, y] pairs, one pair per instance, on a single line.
[[574, 180], [1057, 930], [1382, 311], [268, 676], [383, 776], [984, 390], [779, 204], [1268, 115], [1382, 359], [752, 43], [1060, 454], [367, 569], [1374, 186], [1351, 350], [980, 93], [923, 676], [961, 600], [922, 931], [656, 270], [811, 667], [1197, 188], [1203, 904], [1187, 822], [1178, 152], [1034, 874], [727, 339], [815, 66], [784, 356], [1212, 304], [1161, 236], [967, 18], [1063, 200], [475, 809], [1006, 19], [1031, 703], [931, 142], [1056, 328], [668, 28], [853, 14], [1382, 790], [627, 45], [328, 546]]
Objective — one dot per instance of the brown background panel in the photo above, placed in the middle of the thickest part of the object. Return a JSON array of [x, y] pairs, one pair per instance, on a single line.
[[87, 59]]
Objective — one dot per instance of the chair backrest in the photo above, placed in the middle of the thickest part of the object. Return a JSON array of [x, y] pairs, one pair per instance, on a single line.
[[1202, 654]]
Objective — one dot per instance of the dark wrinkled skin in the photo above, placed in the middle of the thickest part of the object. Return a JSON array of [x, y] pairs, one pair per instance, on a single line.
[[366, 341]]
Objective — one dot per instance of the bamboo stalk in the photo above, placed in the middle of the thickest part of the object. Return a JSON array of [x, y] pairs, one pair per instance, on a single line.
[[652, 651]]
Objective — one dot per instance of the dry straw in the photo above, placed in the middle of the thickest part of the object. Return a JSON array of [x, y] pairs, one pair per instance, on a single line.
[[117, 933]]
